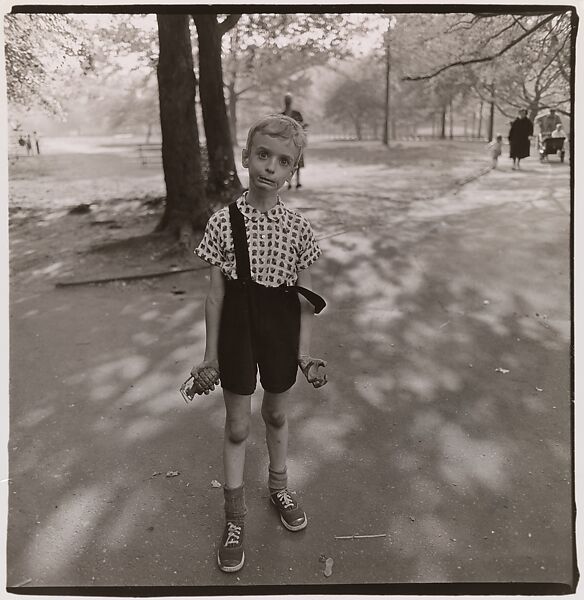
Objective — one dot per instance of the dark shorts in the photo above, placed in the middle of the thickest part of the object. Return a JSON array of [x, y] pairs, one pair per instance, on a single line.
[[260, 328]]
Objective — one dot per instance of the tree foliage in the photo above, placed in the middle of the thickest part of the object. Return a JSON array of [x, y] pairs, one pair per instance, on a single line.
[[358, 99], [534, 74], [525, 58], [44, 52], [272, 54]]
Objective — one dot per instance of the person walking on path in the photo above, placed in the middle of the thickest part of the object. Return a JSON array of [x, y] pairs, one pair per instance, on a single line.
[[496, 149], [35, 139], [519, 138], [258, 313], [28, 145], [297, 116]]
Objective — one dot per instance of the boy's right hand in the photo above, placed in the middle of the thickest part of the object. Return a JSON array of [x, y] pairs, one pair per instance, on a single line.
[[205, 377]]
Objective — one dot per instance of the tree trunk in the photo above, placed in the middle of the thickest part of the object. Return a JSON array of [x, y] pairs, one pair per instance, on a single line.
[[387, 84], [492, 113], [223, 184], [443, 124], [231, 85], [358, 129], [232, 106], [451, 123], [186, 206], [479, 132], [533, 109]]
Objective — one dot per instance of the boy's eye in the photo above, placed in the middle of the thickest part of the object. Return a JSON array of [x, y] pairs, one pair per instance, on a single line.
[[284, 162], [263, 154]]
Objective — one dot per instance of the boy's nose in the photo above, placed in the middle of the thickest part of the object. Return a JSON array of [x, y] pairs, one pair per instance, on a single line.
[[271, 166]]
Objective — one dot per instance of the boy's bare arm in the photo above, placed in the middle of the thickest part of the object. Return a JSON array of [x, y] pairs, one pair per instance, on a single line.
[[206, 373], [311, 367], [213, 305]]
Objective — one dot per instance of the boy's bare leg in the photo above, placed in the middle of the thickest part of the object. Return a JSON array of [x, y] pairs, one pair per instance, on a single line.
[[274, 416], [230, 554], [237, 418]]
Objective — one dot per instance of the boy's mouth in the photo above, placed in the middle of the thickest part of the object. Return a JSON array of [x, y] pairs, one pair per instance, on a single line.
[[266, 180]]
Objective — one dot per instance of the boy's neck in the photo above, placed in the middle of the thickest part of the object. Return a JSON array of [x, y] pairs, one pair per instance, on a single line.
[[262, 202]]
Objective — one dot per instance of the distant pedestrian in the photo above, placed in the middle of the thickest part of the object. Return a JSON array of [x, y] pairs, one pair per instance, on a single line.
[[519, 138], [35, 139], [28, 145], [297, 116], [496, 149], [260, 252]]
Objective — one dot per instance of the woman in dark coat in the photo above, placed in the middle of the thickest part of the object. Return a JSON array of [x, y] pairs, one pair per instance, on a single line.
[[519, 134]]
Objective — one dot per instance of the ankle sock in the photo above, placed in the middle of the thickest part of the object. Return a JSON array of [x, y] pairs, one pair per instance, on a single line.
[[235, 508], [277, 480]]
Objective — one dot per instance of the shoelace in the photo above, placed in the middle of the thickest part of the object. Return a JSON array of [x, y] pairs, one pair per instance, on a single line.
[[233, 534], [285, 498]]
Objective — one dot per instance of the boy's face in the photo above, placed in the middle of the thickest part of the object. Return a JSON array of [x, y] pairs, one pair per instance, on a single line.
[[270, 162]]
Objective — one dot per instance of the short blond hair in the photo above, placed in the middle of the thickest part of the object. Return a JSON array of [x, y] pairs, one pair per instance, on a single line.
[[280, 126]]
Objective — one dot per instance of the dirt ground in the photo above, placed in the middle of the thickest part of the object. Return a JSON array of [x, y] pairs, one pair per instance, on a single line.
[[445, 426]]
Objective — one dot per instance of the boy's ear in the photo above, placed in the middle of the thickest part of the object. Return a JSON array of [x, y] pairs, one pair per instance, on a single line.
[[244, 158]]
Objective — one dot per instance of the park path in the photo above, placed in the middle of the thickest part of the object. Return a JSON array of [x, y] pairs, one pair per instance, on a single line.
[[445, 425]]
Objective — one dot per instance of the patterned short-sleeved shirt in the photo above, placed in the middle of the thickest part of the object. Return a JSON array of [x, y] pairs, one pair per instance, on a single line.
[[280, 243]]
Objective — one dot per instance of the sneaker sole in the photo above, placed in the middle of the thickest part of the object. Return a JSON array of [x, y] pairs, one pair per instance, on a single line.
[[230, 569]]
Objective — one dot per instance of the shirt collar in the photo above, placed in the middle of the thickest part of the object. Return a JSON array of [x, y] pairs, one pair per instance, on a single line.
[[253, 214]]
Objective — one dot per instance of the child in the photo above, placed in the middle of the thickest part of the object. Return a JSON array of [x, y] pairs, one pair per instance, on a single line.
[[496, 149], [260, 253]]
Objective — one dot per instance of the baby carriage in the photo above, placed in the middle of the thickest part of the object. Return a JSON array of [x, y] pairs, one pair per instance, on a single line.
[[550, 145]]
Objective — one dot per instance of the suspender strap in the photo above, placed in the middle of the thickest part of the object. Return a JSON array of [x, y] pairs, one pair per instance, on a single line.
[[240, 243], [317, 301], [242, 258]]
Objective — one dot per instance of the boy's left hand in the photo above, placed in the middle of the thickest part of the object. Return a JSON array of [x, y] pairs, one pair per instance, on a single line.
[[311, 368]]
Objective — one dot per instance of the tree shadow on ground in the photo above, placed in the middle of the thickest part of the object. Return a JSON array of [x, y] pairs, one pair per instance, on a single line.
[[418, 435]]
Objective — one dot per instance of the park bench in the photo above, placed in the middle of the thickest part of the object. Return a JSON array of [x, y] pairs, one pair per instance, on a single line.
[[149, 154]]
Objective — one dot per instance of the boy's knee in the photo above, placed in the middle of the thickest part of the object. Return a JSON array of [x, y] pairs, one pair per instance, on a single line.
[[275, 418], [238, 431]]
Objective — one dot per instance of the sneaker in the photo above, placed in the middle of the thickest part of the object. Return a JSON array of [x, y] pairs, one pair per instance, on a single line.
[[230, 556], [298, 185], [292, 516]]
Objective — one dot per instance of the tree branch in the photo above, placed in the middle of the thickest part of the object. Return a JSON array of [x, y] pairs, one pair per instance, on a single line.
[[462, 24], [518, 22], [229, 22], [245, 89], [460, 63], [496, 35]]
